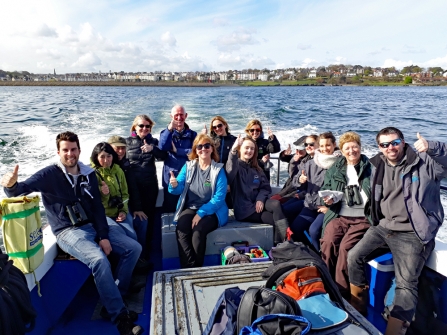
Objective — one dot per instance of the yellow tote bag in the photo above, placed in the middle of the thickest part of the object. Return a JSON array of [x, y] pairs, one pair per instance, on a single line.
[[22, 232]]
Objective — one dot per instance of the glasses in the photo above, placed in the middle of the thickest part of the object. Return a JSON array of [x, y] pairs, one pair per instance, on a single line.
[[220, 125], [203, 146], [255, 130], [147, 126], [309, 144], [394, 143]]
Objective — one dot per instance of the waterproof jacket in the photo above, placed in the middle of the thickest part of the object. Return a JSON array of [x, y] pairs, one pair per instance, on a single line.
[[223, 146], [289, 189], [143, 163], [58, 191], [116, 181], [421, 180], [247, 185], [217, 203], [134, 194], [175, 160], [336, 180]]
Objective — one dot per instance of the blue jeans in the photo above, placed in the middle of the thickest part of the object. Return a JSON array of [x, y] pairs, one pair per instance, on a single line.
[[302, 224], [315, 231], [80, 242], [292, 208], [140, 227], [126, 226], [409, 256]]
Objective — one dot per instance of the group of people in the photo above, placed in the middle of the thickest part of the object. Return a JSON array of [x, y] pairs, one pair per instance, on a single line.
[[347, 207]]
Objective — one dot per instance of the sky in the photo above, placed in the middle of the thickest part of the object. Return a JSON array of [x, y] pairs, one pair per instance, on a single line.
[[185, 35]]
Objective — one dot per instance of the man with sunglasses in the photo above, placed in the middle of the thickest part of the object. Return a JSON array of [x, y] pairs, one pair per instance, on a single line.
[[406, 211], [176, 140]]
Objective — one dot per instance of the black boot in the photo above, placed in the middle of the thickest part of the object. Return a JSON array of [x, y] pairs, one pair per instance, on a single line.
[[125, 325], [281, 230]]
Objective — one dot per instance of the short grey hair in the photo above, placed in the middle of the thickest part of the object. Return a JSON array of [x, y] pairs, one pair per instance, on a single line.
[[177, 107]]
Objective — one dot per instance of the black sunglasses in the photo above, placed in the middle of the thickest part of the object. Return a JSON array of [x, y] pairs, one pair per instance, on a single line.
[[257, 130], [148, 126], [203, 146], [394, 143], [218, 126], [309, 144]]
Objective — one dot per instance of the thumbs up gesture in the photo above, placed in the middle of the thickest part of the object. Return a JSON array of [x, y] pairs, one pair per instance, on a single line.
[[237, 143], [303, 177], [421, 144], [288, 151], [173, 181], [204, 130], [104, 188], [10, 178], [146, 147]]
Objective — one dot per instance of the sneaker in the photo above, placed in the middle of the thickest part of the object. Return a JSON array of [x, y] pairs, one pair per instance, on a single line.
[[106, 316], [125, 325]]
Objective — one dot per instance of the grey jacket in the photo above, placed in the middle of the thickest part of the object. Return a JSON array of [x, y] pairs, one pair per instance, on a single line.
[[247, 185], [421, 179]]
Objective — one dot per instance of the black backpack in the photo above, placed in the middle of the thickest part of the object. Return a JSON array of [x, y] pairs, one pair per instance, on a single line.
[[260, 301]]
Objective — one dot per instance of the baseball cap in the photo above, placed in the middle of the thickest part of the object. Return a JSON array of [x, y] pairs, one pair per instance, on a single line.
[[117, 141], [299, 143]]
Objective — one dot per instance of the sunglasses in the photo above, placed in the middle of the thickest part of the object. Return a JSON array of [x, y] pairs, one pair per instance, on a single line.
[[309, 144], [255, 130], [394, 143], [220, 125], [203, 146], [147, 126]]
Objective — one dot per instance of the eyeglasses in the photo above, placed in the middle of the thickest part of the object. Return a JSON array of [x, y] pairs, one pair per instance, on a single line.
[[394, 143], [255, 130], [220, 125], [203, 146], [309, 144], [147, 126]]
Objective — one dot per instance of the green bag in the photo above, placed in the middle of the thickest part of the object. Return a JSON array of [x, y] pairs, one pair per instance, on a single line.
[[22, 232]]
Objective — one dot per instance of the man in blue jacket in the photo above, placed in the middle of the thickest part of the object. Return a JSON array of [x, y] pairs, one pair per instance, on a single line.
[[72, 201], [176, 140], [406, 211]]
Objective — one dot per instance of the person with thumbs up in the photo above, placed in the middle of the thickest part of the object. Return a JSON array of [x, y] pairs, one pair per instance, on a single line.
[[406, 213], [66, 187]]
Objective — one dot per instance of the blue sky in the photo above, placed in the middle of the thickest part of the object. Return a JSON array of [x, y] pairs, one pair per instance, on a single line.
[[86, 36]]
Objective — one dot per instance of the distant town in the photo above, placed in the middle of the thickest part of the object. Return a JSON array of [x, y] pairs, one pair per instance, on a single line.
[[338, 74]]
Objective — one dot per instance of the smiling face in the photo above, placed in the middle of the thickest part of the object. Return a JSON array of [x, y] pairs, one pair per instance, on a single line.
[[69, 153], [179, 116], [351, 151], [219, 128], [247, 150], [392, 153], [204, 150], [310, 149], [143, 128], [105, 159], [327, 147], [255, 131], [120, 151]]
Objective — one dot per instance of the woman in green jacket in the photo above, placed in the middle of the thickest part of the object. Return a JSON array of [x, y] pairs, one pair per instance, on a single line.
[[113, 187], [347, 218]]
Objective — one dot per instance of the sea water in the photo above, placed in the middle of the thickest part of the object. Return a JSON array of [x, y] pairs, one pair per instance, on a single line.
[[31, 117]]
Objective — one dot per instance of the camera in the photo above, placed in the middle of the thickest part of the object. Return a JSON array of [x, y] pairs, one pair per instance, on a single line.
[[76, 214], [116, 201], [352, 195]]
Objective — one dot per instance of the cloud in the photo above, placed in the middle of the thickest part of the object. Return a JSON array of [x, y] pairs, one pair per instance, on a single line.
[[230, 60], [46, 31], [244, 61], [307, 62], [439, 61], [168, 39], [398, 64], [409, 49], [340, 60], [88, 61], [302, 46], [378, 51], [145, 21], [49, 53], [67, 34], [220, 22], [235, 40]]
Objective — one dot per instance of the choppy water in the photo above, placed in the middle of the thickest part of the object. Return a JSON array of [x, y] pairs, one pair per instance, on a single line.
[[31, 117]]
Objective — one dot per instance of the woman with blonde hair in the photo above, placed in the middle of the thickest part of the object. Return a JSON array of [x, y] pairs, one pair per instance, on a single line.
[[223, 140], [266, 146], [202, 186]]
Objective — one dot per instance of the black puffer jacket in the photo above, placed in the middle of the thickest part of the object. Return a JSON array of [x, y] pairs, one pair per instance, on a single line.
[[142, 164], [266, 146], [224, 145]]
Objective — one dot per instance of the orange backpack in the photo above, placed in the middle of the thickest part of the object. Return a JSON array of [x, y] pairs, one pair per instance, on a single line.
[[301, 283]]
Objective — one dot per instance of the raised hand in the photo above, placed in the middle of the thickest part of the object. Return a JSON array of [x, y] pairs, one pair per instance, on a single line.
[[266, 158], [104, 188], [171, 124], [303, 177], [288, 151], [270, 133], [204, 130], [146, 147], [10, 178], [173, 181], [237, 144], [421, 144]]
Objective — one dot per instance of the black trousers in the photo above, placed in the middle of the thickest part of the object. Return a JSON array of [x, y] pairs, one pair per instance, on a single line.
[[148, 196], [192, 241], [169, 201], [272, 212]]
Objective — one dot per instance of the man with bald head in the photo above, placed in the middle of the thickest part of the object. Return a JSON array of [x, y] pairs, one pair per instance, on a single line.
[[177, 141]]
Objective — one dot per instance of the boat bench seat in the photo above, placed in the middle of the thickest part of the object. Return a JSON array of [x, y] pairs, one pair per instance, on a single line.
[[254, 233]]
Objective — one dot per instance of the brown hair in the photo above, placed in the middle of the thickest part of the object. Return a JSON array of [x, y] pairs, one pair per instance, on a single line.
[[143, 117], [389, 131], [315, 137], [251, 124], [67, 136], [221, 119], [347, 137], [328, 136], [199, 138], [254, 160]]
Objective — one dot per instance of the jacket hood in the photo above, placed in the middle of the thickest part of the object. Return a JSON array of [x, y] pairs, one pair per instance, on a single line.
[[85, 170]]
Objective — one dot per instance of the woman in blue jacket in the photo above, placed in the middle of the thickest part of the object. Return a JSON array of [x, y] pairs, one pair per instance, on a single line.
[[202, 186]]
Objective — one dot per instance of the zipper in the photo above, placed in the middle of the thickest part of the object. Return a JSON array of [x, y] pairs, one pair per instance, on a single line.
[[283, 298], [310, 281]]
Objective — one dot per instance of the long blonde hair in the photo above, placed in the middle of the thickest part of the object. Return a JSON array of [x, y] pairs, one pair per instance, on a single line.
[[141, 117]]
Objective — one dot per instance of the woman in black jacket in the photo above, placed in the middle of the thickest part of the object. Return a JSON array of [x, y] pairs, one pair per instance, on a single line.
[[265, 146], [142, 150], [223, 140]]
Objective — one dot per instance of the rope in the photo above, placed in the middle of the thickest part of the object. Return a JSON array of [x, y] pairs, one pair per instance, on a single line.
[[17, 314]]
